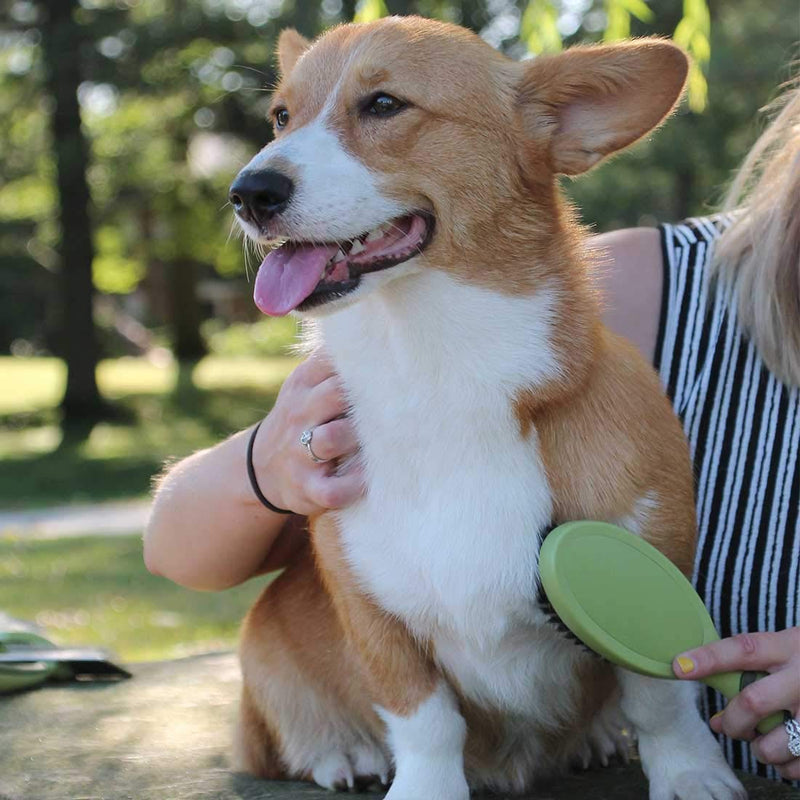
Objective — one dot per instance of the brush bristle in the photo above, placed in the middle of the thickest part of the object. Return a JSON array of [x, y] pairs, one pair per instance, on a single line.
[[558, 624]]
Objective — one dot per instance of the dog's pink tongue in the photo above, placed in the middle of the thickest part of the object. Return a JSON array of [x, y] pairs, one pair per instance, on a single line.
[[288, 275]]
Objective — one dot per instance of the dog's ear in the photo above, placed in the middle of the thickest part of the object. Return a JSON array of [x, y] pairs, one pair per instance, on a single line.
[[291, 45], [588, 102]]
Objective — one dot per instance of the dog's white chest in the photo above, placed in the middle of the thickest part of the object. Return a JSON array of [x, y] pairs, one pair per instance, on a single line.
[[447, 536]]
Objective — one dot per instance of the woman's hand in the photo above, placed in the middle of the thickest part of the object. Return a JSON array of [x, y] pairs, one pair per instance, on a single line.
[[208, 530], [777, 653], [311, 399]]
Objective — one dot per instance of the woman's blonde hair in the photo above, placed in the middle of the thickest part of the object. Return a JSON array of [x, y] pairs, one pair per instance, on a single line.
[[760, 252]]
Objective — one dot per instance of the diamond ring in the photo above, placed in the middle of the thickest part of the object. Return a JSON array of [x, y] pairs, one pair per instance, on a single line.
[[305, 440]]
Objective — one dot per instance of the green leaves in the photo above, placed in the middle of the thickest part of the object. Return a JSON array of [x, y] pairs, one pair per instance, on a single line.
[[370, 10], [112, 271], [539, 28], [618, 17], [693, 34]]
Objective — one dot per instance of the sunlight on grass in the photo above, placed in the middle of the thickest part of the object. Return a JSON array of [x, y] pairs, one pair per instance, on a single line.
[[30, 383], [97, 591], [167, 412], [220, 373], [134, 376], [30, 440], [35, 383]]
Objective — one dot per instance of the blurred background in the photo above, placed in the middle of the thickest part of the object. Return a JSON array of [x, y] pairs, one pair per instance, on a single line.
[[127, 332]]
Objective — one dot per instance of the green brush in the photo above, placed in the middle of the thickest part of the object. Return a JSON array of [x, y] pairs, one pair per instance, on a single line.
[[629, 603]]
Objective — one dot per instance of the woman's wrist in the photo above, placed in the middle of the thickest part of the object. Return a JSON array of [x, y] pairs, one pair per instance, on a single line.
[[253, 477]]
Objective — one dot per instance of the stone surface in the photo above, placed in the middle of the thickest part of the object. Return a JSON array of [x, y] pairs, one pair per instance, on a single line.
[[164, 735]]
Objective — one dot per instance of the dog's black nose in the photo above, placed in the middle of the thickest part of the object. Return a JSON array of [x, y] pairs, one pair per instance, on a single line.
[[257, 196]]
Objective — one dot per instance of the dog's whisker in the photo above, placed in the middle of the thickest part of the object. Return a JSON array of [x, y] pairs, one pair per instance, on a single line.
[[251, 251], [234, 227], [251, 69]]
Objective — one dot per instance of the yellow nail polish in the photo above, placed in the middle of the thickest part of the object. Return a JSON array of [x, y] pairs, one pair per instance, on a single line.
[[686, 664], [718, 714]]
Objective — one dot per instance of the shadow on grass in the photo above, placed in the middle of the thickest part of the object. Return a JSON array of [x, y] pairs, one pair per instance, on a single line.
[[64, 476], [118, 459], [219, 410]]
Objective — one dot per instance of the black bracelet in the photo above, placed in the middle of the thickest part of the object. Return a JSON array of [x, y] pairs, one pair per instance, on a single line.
[[251, 473]]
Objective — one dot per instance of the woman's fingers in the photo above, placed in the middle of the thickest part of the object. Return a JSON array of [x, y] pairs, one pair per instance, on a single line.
[[776, 692], [335, 491], [747, 651], [773, 748], [334, 439], [315, 369], [776, 652], [324, 402], [311, 399], [791, 772]]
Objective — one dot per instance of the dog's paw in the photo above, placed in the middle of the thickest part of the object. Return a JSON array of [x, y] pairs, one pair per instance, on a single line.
[[702, 784], [420, 778], [678, 772], [335, 772], [363, 766], [370, 765], [607, 739]]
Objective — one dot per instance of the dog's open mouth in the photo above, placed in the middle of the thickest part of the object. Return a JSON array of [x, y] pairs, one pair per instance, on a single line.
[[301, 275]]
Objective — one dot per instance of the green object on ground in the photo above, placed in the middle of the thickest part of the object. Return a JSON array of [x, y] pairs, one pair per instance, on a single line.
[[629, 603], [17, 676], [28, 660]]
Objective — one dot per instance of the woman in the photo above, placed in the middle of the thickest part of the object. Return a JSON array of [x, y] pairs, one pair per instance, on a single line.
[[715, 303]]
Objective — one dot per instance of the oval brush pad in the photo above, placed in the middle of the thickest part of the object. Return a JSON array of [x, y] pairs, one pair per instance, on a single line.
[[629, 603]]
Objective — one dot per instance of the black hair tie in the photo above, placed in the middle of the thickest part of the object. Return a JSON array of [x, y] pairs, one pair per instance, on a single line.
[[251, 473]]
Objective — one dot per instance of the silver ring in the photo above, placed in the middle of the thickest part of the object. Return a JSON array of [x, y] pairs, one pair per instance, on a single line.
[[305, 440], [793, 729]]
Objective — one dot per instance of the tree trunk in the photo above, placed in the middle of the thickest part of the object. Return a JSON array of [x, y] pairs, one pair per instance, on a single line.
[[185, 313], [61, 41]]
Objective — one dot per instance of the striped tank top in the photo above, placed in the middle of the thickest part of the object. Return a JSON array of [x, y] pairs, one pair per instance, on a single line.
[[743, 427]]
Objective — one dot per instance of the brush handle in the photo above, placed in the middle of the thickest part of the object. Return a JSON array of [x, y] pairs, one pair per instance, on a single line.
[[731, 683]]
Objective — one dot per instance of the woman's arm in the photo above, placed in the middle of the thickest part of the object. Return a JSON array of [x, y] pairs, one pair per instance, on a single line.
[[630, 277], [207, 529]]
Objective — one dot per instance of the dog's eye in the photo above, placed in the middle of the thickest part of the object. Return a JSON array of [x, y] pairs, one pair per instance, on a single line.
[[281, 118], [383, 105]]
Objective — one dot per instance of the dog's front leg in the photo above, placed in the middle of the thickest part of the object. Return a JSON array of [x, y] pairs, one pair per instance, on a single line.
[[680, 756], [424, 727], [428, 748]]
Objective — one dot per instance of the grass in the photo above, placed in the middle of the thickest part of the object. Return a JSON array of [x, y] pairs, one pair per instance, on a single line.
[[167, 412], [96, 590]]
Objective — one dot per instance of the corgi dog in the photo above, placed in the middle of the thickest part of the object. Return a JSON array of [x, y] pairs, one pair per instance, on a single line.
[[414, 182]]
